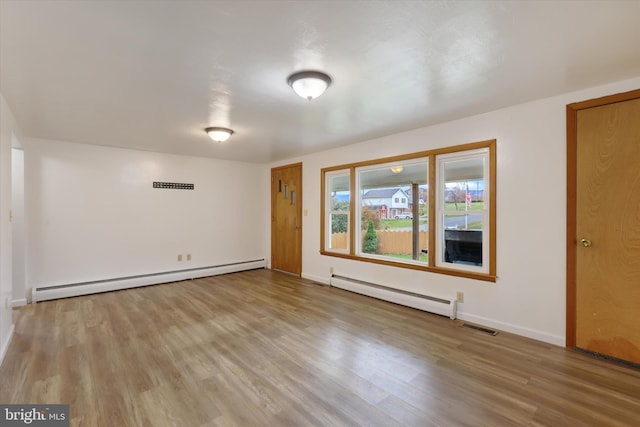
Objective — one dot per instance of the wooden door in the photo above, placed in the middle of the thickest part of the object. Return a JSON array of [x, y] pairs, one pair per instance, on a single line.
[[607, 230], [286, 218]]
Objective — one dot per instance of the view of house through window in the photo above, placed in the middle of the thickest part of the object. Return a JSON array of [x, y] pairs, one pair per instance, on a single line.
[[393, 217], [387, 210]]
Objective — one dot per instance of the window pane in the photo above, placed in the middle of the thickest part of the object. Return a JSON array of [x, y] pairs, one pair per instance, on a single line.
[[462, 243], [340, 194], [388, 215], [462, 209], [339, 231], [339, 199]]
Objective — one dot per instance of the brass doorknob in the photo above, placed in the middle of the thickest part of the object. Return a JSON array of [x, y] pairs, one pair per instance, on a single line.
[[585, 242]]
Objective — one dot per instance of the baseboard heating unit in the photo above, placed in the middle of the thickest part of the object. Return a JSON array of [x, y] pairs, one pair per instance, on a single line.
[[86, 288], [438, 305]]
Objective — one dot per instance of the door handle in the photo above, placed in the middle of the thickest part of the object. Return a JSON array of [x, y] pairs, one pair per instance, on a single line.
[[585, 242]]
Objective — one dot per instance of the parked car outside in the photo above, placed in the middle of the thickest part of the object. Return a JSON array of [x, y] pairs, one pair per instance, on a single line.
[[404, 215]]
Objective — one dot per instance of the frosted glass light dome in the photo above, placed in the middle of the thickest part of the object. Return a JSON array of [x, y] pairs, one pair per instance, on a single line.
[[309, 84], [219, 134]]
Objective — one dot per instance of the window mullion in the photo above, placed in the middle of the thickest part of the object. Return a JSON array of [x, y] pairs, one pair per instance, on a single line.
[[431, 206], [355, 198], [415, 213]]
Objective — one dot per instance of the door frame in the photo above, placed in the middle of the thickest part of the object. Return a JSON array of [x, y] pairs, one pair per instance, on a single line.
[[299, 212], [572, 209]]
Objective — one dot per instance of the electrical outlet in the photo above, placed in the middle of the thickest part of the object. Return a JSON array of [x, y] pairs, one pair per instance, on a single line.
[[179, 257], [188, 257], [331, 270], [460, 296]]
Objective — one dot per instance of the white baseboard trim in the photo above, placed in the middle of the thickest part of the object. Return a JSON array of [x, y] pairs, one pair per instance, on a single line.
[[480, 320], [430, 303], [19, 302], [6, 343], [65, 291], [319, 279], [514, 329]]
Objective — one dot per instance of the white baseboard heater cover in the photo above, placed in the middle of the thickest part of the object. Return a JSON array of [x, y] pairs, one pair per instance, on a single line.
[[438, 305], [87, 288]]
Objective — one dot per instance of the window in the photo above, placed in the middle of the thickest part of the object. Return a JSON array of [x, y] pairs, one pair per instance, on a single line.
[[462, 210], [339, 210], [387, 211], [387, 232]]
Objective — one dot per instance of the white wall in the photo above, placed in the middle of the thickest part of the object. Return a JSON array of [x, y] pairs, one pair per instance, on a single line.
[[529, 295], [92, 214], [8, 128], [18, 231]]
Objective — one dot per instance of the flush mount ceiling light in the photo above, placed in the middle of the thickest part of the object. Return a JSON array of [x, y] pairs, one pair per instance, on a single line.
[[219, 134], [397, 169], [309, 84]]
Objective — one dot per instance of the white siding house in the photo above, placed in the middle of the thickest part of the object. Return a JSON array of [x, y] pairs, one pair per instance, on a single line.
[[395, 201]]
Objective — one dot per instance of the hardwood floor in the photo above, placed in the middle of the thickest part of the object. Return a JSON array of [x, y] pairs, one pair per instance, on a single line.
[[261, 348]]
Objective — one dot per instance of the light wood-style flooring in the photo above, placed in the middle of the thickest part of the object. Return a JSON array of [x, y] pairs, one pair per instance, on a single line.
[[261, 348]]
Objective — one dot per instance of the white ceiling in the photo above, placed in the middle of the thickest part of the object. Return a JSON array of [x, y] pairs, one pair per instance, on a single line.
[[152, 75]]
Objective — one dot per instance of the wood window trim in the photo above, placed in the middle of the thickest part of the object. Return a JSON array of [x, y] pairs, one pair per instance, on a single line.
[[431, 156]]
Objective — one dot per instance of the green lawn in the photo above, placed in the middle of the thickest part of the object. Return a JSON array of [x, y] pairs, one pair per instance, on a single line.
[[399, 223], [475, 206]]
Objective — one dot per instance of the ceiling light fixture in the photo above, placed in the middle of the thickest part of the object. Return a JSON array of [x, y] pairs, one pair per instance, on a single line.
[[397, 169], [309, 84], [219, 134]]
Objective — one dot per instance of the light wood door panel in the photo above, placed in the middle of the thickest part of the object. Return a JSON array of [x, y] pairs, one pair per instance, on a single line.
[[608, 230], [286, 218]]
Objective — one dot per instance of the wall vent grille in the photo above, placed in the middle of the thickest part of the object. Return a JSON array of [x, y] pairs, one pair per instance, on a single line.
[[173, 185], [480, 328]]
